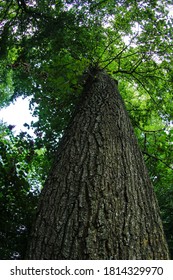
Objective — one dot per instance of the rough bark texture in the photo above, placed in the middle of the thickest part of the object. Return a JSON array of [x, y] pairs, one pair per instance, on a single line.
[[98, 202]]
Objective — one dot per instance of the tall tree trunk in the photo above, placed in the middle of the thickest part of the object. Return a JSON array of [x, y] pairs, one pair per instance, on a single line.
[[98, 201]]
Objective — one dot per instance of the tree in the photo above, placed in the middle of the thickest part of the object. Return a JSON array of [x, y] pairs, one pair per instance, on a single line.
[[47, 45], [98, 202], [20, 168], [14, 200]]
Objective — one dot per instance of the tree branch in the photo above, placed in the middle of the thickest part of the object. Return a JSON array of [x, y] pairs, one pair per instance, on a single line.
[[22, 5], [121, 52], [156, 158]]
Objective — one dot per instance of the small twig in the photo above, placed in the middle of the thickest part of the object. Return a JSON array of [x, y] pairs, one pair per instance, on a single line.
[[156, 158], [144, 88], [121, 52], [109, 44]]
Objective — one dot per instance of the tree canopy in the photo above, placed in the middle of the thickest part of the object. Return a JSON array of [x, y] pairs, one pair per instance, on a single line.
[[46, 51]]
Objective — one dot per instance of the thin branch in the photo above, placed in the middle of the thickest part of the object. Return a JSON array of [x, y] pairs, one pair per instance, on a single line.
[[144, 88], [156, 158], [150, 76], [151, 131], [111, 42], [124, 57], [22, 5], [138, 62], [120, 53], [115, 57], [33, 12]]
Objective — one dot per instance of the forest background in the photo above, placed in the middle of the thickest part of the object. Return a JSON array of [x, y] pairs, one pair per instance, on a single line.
[[46, 49]]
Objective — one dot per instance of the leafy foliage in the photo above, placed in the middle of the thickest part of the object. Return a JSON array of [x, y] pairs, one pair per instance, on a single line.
[[21, 176], [46, 49]]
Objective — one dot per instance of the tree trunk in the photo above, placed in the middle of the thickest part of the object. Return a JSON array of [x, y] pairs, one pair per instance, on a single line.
[[98, 201]]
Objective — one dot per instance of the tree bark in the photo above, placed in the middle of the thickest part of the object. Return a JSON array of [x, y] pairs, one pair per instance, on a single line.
[[98, 201]]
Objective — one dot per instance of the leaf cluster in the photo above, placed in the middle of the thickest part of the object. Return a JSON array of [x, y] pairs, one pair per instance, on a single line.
[[22, 173]]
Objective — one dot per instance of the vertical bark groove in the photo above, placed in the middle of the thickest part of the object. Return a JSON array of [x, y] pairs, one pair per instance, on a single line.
[[98, 201]]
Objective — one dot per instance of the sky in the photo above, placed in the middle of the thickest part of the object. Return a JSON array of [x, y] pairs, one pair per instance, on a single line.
[[17, 114]]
